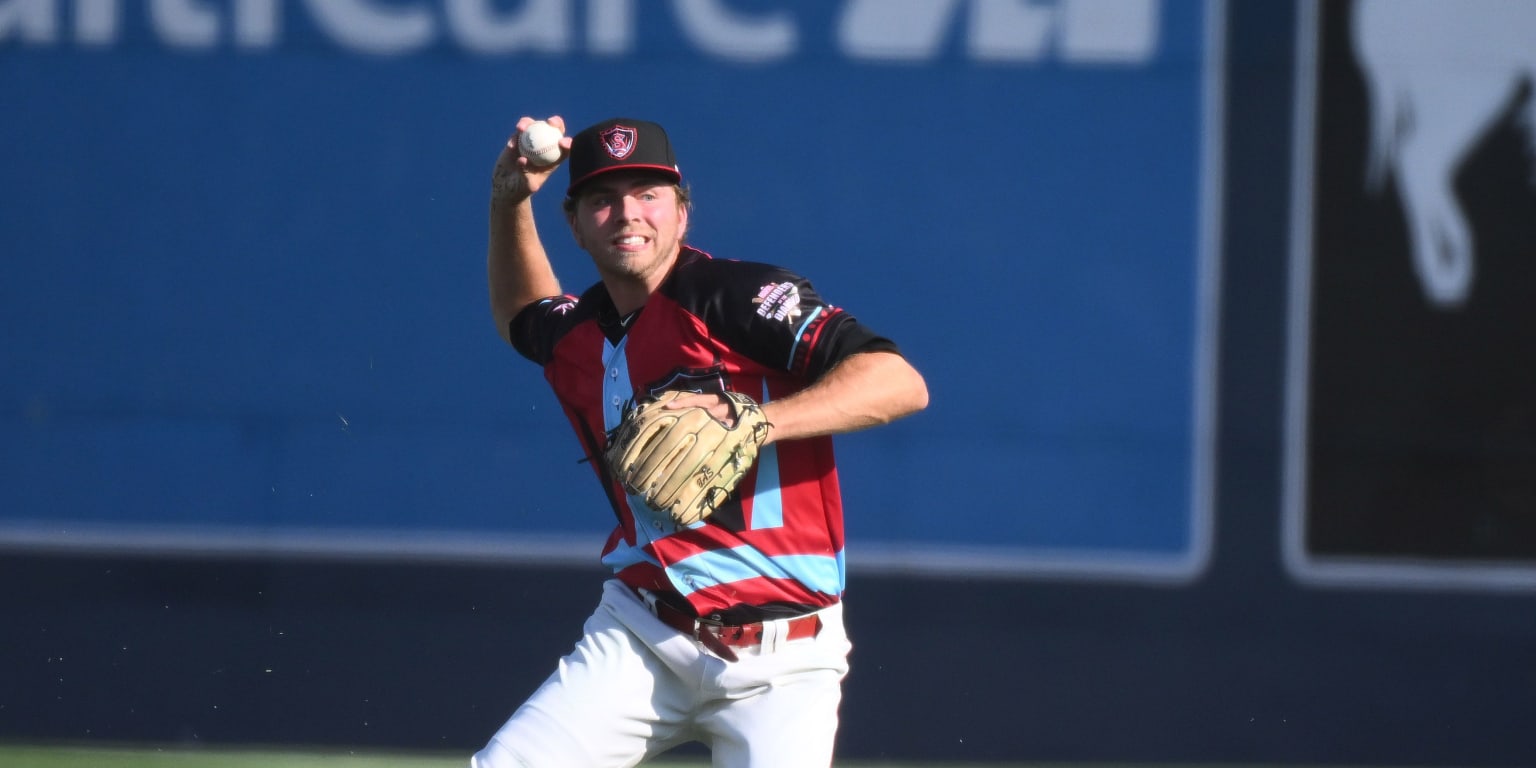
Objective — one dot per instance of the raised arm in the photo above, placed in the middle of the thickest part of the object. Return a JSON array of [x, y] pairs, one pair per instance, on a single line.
[[517, 268]]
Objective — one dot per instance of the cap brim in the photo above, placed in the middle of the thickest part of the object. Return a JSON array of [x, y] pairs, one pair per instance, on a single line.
[[663, 170]]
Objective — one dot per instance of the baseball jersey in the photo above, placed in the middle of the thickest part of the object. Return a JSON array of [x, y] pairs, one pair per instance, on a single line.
[[776, 545]]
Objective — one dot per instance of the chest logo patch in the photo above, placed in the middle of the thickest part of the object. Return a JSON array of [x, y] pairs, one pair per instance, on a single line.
[[778, 301]]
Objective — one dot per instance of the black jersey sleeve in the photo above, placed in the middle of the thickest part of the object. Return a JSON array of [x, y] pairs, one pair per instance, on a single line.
[[777, 318], [536, 328]]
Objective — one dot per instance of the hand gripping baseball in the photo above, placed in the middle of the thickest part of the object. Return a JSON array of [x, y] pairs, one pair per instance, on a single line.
[[530, 156], [683, 461]]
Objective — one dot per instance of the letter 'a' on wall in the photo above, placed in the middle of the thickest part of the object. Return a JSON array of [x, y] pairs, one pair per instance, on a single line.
[[272, 335]]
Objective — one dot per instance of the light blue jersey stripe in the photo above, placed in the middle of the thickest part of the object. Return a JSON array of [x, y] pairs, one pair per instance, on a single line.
[[821, 573], [768, 500], [616, 388], [616, 393], [650, 525], [624, 556], [799, 334]]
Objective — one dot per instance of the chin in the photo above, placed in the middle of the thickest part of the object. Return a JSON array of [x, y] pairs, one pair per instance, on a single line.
[[632, 264]]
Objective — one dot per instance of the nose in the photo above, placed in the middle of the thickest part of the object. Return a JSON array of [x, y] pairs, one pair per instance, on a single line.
[[630, 208]]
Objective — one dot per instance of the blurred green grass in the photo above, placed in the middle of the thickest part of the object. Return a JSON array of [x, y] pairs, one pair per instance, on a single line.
[[179, 757], [41, 756]]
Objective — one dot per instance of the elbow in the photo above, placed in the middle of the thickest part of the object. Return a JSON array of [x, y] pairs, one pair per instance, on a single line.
[[917, 391], [907, 392]]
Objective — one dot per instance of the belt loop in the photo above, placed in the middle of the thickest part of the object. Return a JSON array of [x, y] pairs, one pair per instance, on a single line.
[[774, 635], [649, 598]]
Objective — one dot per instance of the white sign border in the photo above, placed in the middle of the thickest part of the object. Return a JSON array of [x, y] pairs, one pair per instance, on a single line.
[[965, 562]]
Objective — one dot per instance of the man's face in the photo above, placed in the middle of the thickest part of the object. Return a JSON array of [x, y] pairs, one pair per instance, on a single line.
[[631, 224]]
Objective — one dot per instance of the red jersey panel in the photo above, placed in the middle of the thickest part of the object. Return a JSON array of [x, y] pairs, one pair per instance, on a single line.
[[776, 545]]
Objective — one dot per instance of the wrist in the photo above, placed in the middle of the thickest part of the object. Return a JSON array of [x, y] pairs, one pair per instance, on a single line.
[[507, 197], [506, 190]]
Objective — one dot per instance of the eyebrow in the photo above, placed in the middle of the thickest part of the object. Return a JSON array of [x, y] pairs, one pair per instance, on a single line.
[[609, 187]]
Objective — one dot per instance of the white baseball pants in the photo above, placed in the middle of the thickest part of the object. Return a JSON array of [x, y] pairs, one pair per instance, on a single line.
[[634, 688]]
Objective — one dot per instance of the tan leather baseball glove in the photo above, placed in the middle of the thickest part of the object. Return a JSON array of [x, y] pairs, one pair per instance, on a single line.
[[684, 461]]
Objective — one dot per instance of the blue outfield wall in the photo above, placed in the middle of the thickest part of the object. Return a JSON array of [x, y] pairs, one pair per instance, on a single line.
[[270, 475], [250, 266]]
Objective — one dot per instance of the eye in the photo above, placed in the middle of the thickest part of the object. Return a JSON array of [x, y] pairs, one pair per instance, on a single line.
[[648, 196]]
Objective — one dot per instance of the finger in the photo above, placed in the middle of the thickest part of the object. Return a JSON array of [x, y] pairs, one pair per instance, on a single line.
[[517, 129], [694, 400]]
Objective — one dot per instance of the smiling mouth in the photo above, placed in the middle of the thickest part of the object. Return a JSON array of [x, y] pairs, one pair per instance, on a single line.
[[629, 240]]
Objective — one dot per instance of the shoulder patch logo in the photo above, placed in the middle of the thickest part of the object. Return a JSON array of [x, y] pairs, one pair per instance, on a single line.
[[778, 301], [619, 141]]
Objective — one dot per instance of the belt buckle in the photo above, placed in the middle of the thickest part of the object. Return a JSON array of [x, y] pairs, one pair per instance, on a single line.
[[709, 633], [719, 630], [730, 634], [699, 631]]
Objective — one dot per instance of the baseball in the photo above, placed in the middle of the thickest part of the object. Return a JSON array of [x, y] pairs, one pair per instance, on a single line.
[[540, 143]]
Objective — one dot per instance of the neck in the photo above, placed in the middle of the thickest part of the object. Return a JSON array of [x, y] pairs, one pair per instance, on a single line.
[[627, 297], [629, 292]]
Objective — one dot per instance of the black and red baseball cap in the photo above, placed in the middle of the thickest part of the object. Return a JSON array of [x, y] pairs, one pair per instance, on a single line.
[[621, 144]]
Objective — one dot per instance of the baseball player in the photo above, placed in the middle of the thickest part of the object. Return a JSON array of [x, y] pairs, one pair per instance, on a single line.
[[723, 626]]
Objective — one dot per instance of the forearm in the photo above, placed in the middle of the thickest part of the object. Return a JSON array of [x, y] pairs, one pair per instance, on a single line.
[[865, 390], [517, 268]]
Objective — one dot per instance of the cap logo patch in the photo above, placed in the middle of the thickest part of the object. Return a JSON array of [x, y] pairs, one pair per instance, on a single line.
[[619, 141], [778, 301]]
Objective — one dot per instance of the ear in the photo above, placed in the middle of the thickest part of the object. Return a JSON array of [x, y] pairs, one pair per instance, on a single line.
[[682, 222], [570, 220]]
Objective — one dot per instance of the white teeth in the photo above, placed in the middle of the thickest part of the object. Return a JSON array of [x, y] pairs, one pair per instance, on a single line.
[[632, 240]]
